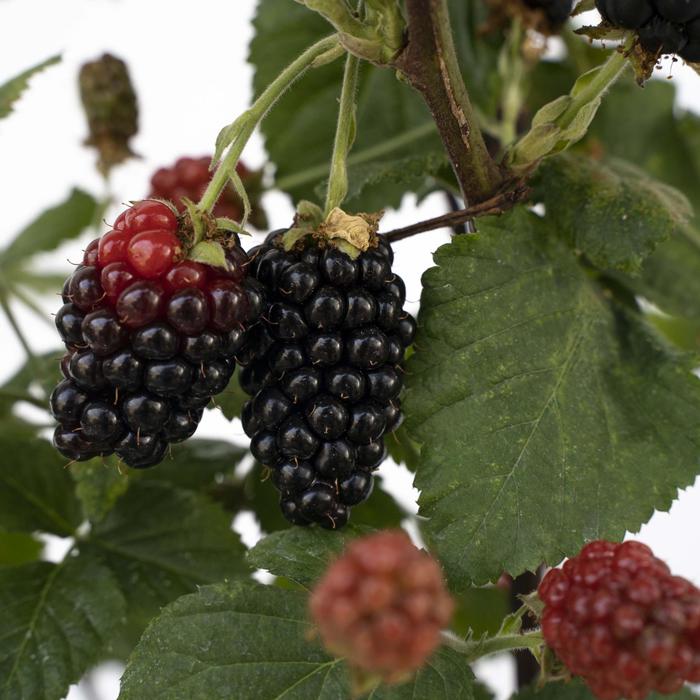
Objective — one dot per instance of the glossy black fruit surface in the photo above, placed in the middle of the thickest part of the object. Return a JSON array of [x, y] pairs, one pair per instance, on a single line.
[[326, 388]]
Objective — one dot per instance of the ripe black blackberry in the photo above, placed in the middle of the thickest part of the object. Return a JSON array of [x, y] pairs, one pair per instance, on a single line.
[[556, 11], [151, 337], [664, 26], [322, 368]]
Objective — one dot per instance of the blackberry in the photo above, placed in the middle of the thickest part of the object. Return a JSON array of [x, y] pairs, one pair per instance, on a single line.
[[662, 36], [616, 616], [323, 372], [691, 52], [189, 177], [150, 339], [556, 11], [382, 604], [627, 14]]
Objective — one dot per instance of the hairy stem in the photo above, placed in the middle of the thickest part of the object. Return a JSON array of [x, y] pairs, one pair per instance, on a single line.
[[476, 649], [242, 129], [344, 136], [429, 63]]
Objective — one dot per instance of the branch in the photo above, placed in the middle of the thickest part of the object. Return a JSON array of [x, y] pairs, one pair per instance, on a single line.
[[429, 63], [495, 205]]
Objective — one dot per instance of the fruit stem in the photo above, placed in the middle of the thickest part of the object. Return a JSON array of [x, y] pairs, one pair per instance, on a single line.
[[429, 63], [494, 205], [602, 81], [236, 136], [344, 136], [477, 649]]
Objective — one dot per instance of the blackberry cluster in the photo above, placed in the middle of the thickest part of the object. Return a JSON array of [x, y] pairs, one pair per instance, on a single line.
[[382, 605], [150, 337], [617, 617], [189, 177], [323, 369], [557, 11], [664, 26]]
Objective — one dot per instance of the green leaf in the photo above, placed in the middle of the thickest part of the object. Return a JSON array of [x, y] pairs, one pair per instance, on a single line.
[[231, 400], [301, 554], [255, 642], [60, 223], [209, 253], [576, 690], [162, 542], [12, 90], [18, 548], [99, 484], [56, 621], [645, 128], [402, 448], [36, 490], [526, 372], [197, 464], [614, 214], [44, 371], [480, 611]]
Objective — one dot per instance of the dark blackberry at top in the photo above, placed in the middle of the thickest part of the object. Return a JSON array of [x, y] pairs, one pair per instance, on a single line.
[[323, 369], [663, 26], [151, 337], [557, 11]]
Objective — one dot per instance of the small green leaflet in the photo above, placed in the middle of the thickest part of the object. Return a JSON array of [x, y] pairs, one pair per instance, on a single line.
[[12, 90], [526, 372], [57, 621], [243, 640]]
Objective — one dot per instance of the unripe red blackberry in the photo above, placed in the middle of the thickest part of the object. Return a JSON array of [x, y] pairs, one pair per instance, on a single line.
[[149, 338], [110, 105], [323, 369], [189, 177], [381, 605], [616, 616]]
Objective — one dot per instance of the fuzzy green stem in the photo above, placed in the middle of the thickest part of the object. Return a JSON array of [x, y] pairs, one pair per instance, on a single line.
[[604, 79], [474, 650], [322, 51], [344, 136]]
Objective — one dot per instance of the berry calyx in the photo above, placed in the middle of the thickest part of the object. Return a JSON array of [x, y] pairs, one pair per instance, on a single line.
[[617, 617], [147, 346], [382, 605]]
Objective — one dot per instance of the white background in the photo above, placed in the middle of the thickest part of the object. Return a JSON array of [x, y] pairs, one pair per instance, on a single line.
[[188, 65]]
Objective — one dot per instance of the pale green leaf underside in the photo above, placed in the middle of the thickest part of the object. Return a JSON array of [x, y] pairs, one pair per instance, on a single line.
[[525, 375], [12, 90], [56, 619], [247, 641]]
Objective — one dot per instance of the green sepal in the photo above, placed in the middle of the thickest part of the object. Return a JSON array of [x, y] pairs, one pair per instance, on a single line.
[[225, 224], [209, 253]]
